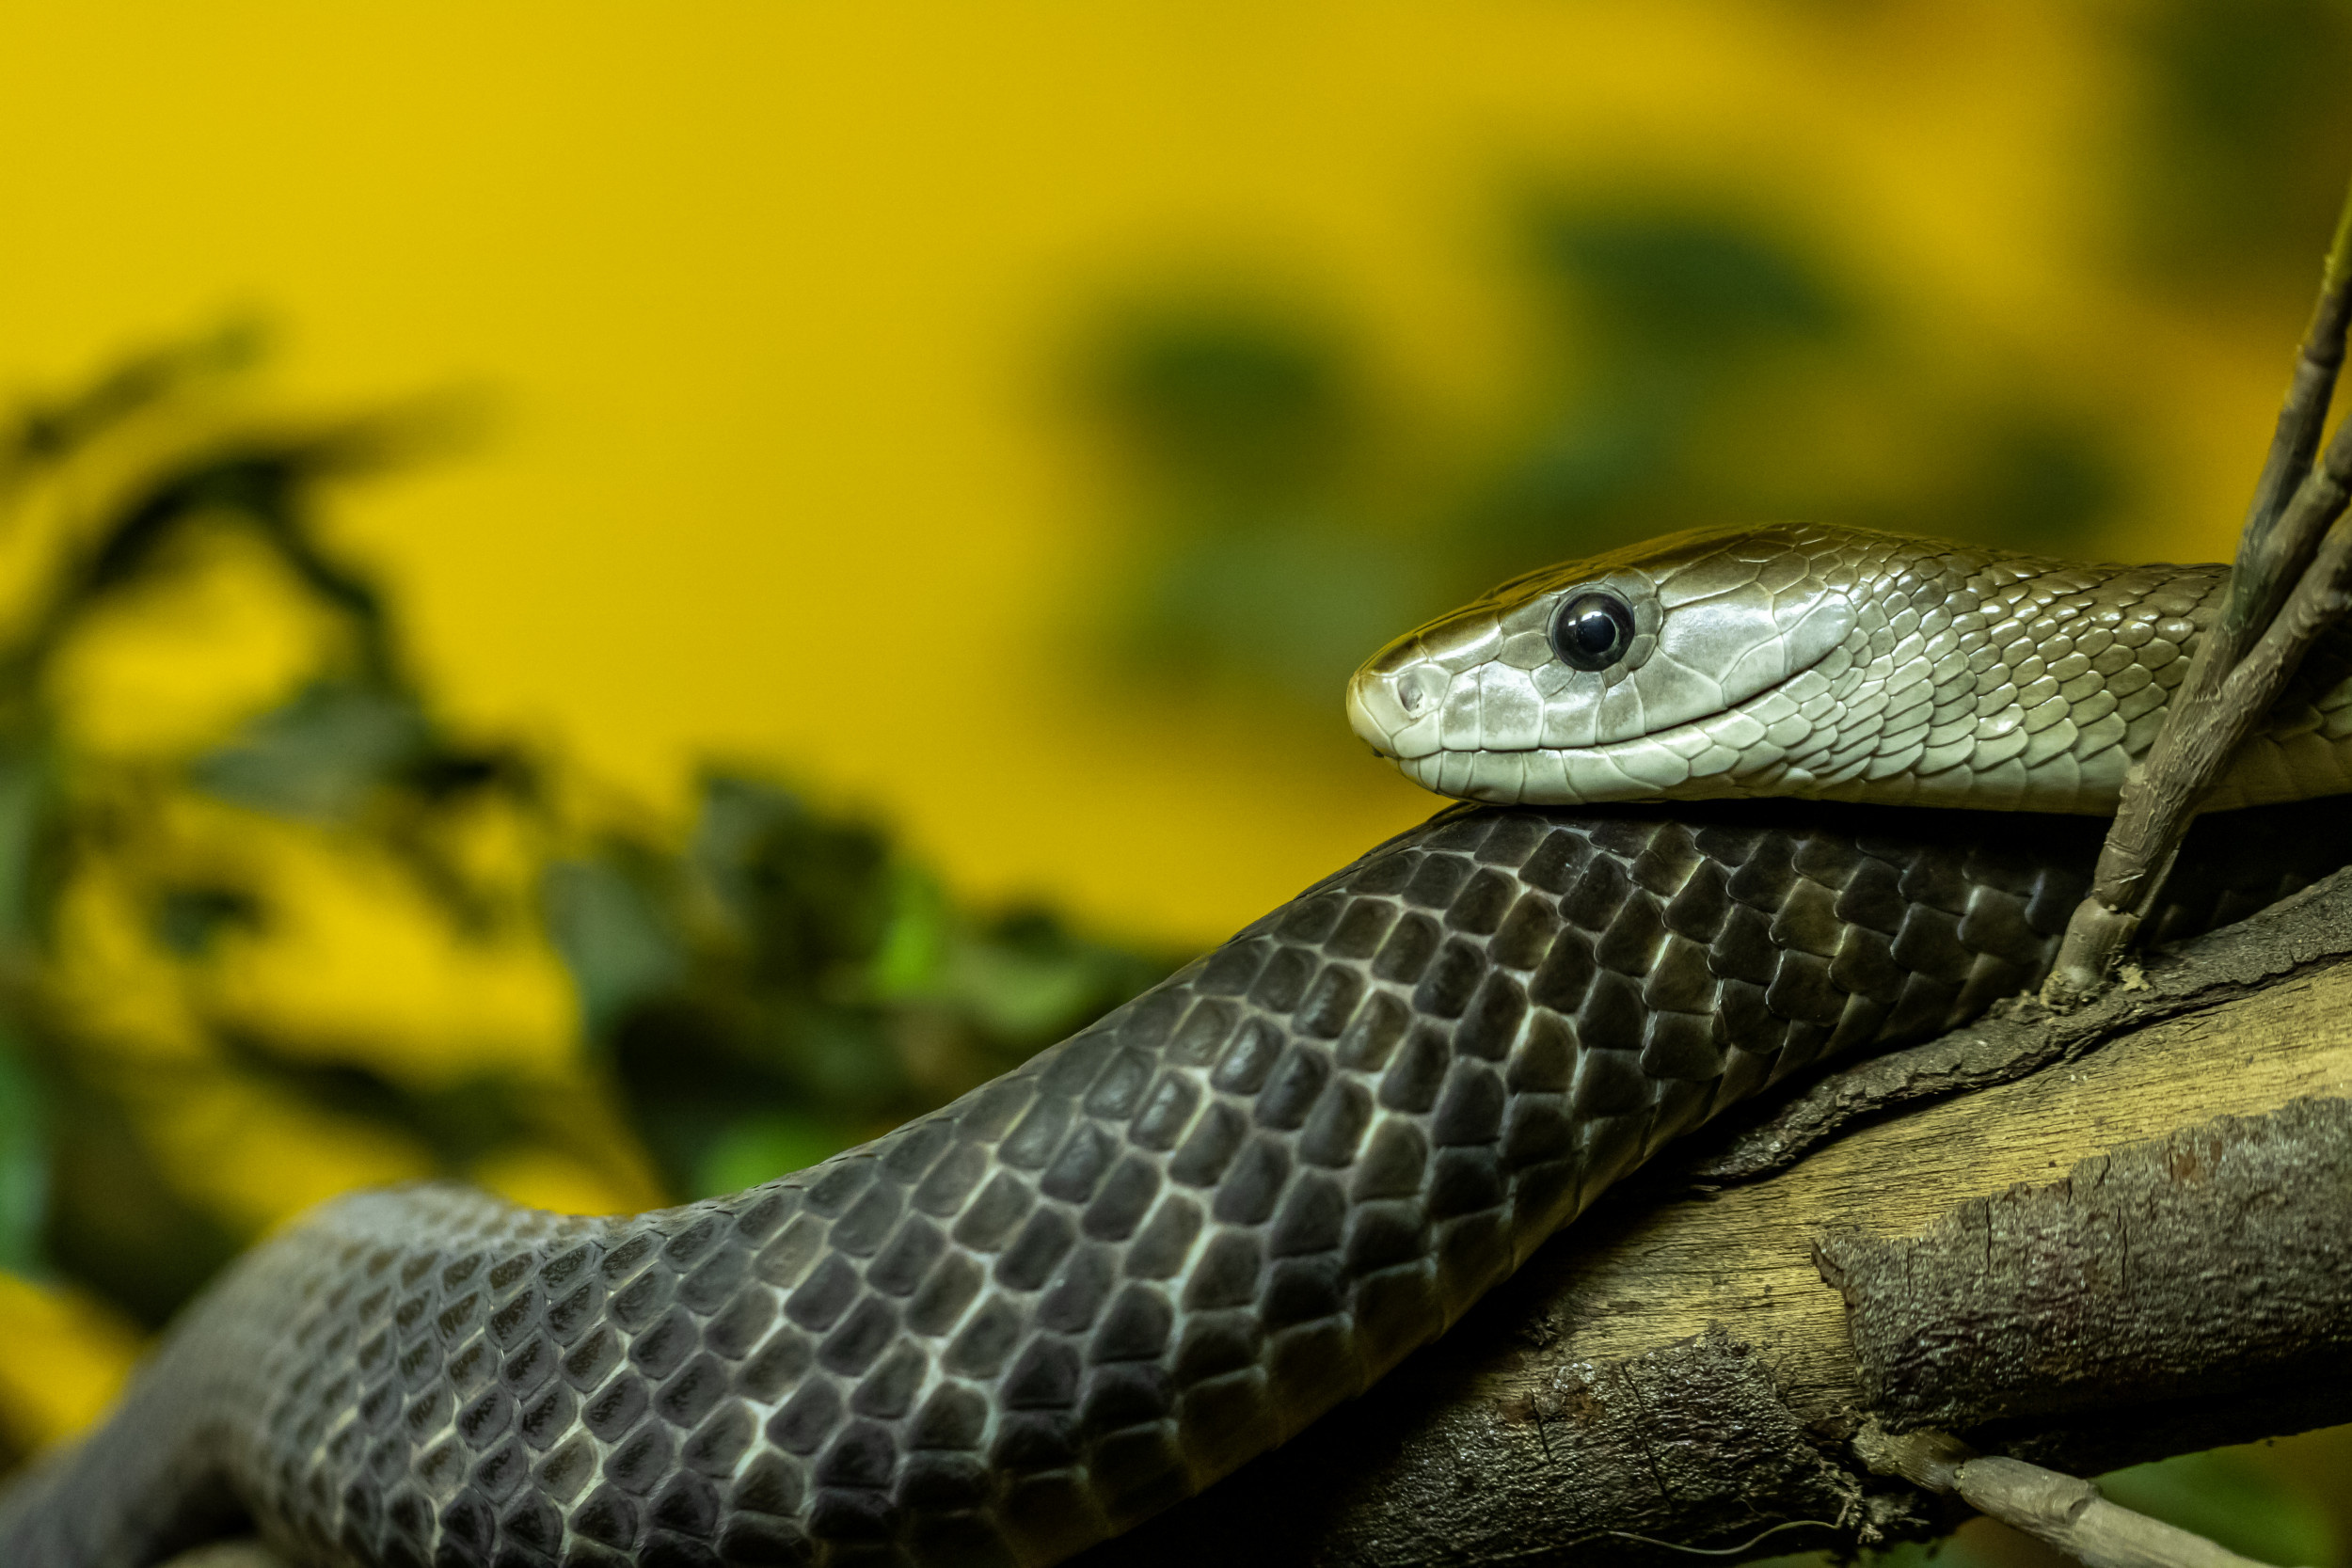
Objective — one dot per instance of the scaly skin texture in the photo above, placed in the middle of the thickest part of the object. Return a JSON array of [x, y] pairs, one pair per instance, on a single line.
[[1035, 1317], [1835, 664]]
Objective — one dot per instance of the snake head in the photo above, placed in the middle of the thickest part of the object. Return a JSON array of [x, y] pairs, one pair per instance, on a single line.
[[1623, 675]]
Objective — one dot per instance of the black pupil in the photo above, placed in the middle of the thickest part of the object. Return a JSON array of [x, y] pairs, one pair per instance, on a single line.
[[1592, 632]]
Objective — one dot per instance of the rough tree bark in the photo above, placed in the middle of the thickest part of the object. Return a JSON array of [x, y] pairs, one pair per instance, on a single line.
[[2085, 1240]]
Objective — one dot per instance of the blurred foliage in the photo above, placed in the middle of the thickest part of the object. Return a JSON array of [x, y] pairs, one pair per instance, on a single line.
[[788, 984], [1690, 362], [1683, 358], [271, 927], [2234, 1499], [1272, 563], [2238, 155]]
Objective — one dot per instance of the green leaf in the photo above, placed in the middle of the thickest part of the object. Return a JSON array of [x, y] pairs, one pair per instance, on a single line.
[[24, 1161], [762, 1148], [320, 756], [915, 943], [611, 937], [2229, 1496], [23, 799]]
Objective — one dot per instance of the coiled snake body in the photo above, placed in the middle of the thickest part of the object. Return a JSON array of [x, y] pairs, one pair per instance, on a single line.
[[1031, 1319]]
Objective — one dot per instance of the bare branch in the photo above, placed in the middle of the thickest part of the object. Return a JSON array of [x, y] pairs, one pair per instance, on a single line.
[[2294, 505], [2061, 1510], [2070, 1514]]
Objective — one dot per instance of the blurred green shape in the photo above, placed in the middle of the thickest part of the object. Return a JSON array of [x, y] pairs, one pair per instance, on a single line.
[[23, 799], [2240, 158], [24, 1161], [2229, 1496], [1286, 606], [735, 816], [1229, 396], [612, 938], [1269, 557], [1682, 286], [762, 1148], [917, 939], [51, 429], [810, 899], [115, 1219], [189, 920], [1670, 326], [839, 1056], [320, 756], [2035, 480], [1028, 977]]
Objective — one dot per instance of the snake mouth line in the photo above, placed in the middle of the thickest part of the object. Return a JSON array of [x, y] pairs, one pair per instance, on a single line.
[[1409, 757], [1553, 775]]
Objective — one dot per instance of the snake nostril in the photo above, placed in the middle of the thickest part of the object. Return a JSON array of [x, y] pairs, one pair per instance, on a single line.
[[1413, 695]]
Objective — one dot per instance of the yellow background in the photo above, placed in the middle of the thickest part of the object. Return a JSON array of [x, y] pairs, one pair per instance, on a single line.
[[769, 299]]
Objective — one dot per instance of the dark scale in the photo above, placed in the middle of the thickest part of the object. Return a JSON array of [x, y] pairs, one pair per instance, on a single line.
[[1038, 1315]]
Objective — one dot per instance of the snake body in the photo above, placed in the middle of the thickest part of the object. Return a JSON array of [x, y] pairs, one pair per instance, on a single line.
[[1033, 1318]]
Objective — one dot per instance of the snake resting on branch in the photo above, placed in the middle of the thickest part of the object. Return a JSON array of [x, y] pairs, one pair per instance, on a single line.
[[1032, 1319]]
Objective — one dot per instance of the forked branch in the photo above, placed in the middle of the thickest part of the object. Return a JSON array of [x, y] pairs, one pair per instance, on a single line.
[[2291, 579]]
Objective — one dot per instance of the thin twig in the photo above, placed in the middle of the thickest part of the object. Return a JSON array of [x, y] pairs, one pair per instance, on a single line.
[[2059, 1511], [2294, 507], [2268, 559], [2068, 1513]]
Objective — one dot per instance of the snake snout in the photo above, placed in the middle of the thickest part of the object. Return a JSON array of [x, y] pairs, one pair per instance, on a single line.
[[1373, 709], [1395, 705], [1395, 699]]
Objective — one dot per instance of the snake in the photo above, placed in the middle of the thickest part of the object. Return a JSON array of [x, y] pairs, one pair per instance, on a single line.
[[1700, 849]]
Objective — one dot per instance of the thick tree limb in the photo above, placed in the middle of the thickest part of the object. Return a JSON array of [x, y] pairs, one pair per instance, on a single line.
[[2165, 1268]]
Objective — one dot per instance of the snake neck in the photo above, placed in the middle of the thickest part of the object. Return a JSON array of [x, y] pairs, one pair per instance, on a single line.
[[1841, 665]]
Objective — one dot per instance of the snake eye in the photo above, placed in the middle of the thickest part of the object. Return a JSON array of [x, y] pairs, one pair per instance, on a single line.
[[1592, 631]]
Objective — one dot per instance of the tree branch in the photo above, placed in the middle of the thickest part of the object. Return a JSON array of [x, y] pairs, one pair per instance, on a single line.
[[2064, 1511], [2069, 1513], [2281, 599], [2166, 1268]]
